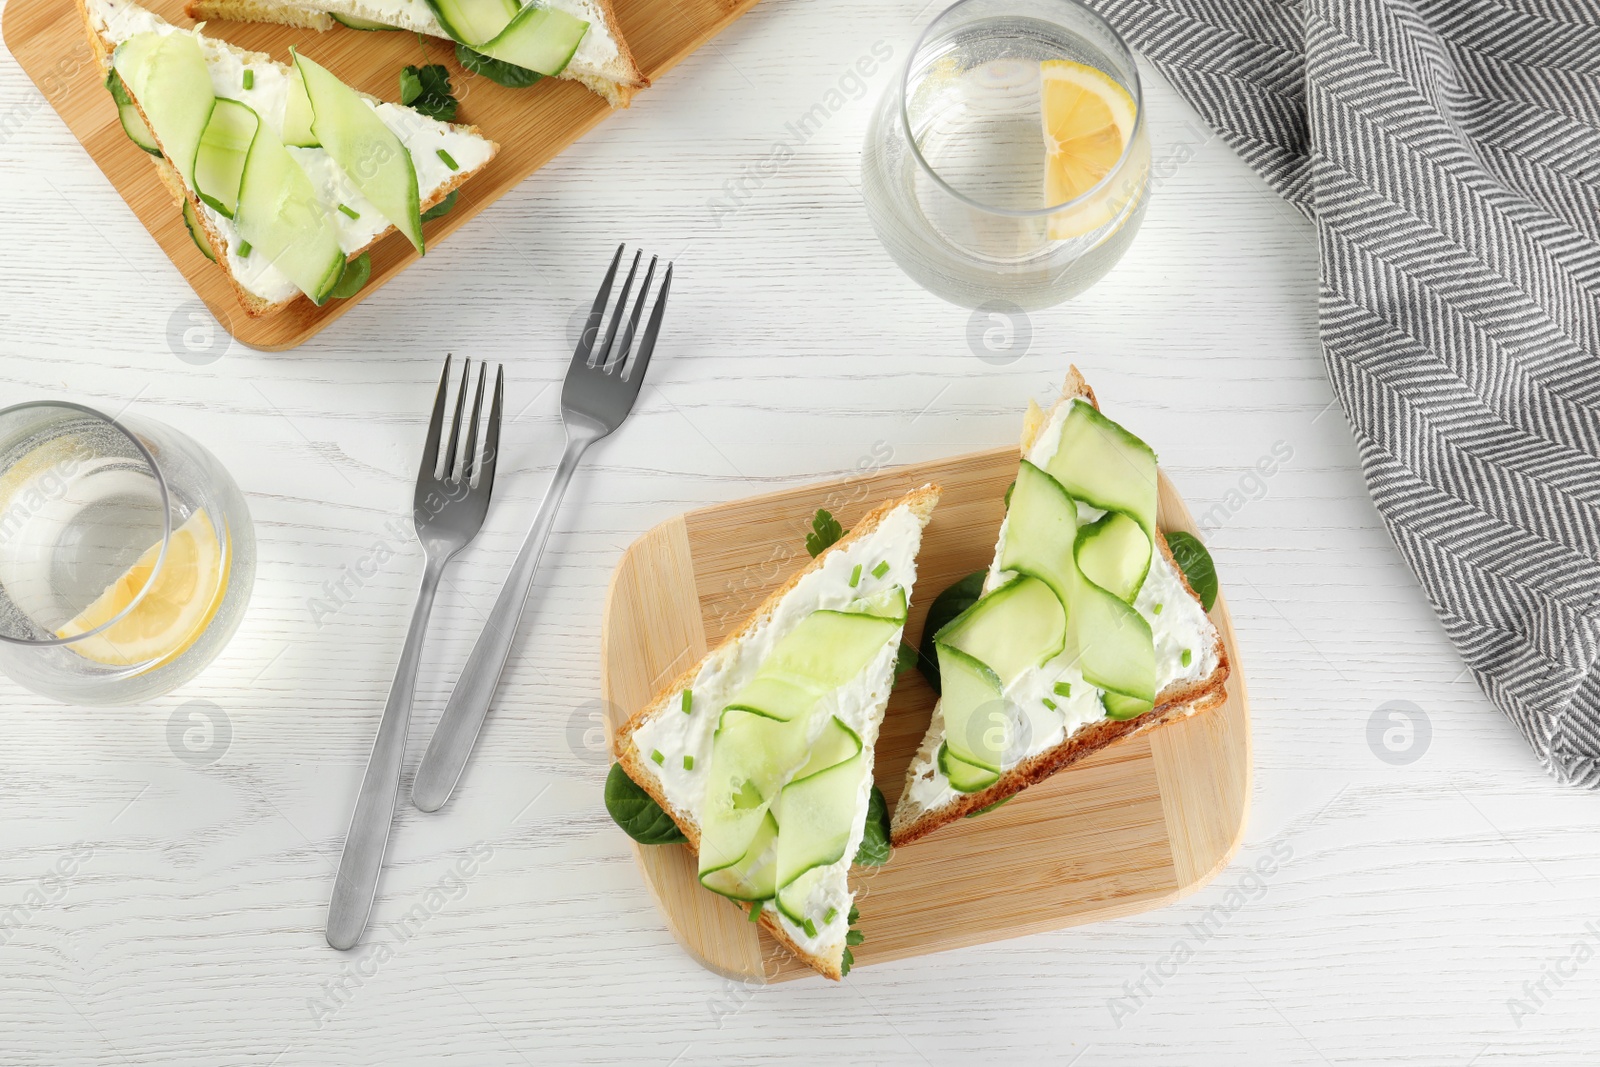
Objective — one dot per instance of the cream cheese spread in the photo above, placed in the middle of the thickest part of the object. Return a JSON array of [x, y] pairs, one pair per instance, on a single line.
[[859, 704], [268, 97], [1177, 622]]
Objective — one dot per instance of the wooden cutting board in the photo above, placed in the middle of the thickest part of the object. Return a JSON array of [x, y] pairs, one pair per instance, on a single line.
[[531, 125], [1134, 827]]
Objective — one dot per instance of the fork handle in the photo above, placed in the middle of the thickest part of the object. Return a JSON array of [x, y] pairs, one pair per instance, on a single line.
[[468, 706], [357, 882]]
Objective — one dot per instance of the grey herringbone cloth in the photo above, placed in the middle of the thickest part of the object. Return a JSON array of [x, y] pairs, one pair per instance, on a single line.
[[1449, 153]]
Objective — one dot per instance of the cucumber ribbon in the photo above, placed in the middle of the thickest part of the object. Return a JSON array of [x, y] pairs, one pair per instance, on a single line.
[[783, 782], [1072, 595]]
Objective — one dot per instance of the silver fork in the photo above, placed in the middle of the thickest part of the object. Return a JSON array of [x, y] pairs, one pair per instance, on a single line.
[[448, 511], [597, 396]]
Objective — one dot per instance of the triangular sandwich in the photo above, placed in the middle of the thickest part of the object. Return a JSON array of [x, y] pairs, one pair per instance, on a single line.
[[1086, 633], [285, 174], [762, 752]]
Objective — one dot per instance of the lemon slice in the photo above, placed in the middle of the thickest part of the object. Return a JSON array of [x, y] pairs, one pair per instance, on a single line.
[[1088, 122], [172, 615]]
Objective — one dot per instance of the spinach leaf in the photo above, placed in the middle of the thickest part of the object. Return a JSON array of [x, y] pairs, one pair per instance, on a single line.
[[356, 273], [851, 937], [825, 530], [989, 807], [874, 851], [496, 70], [945, 607], [442, 207], [427, 89], [636, 811], [904, 659], [1196, 564]]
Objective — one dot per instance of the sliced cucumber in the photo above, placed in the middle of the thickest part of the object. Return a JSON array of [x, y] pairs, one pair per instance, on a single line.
[[474, 21], [1102, 464], [753, 876], [819, 812], [1114, 553], [1112, 642], [977, 718], [889, 604], [192, 224], [964, 777], [132, 122], [364, 148], [764, 743], [224, 147], [168, 76], [1019, 625], [282, 218], [360, 24], [540, 39], [297, 114]]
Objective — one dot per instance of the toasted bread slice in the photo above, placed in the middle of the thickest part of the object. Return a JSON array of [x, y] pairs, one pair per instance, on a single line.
[[603, 64], [928, 802], [110, 22], [661, 727]]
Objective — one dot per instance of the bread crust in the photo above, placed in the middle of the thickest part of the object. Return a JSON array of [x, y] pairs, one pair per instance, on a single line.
[[617, 94], [255, 306], [1174, 703], [634, 763]]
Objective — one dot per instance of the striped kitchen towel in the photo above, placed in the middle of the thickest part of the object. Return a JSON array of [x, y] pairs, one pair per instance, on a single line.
[[1449, 153]]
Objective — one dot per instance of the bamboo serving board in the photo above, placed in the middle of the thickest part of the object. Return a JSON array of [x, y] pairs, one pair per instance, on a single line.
[[1133, 827], [531, 125]]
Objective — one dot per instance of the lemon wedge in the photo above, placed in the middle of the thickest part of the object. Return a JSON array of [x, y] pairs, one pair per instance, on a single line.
[[1088, 122], [172, 615]]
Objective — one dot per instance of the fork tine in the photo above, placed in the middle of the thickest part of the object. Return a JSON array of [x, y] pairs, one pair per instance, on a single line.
[[591, 328], [491, 435], [455, 424], [641, 363], [430, 448], [469, 460], [633, 320], [603, 360]]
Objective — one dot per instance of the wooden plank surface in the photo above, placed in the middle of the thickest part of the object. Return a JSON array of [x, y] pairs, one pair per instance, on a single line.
[[531, 125], [1132, 827]]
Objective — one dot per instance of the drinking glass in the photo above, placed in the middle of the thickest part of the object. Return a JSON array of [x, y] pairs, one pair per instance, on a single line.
[[126, 554], [954, 171]]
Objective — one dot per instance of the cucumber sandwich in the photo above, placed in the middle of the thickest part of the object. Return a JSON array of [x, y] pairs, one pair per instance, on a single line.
[[285, 174], [577, 40], [762, 752], [1086, 631]]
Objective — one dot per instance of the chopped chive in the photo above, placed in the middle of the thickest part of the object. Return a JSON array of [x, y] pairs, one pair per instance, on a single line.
[[451, 163], [881, 569], [244, 249], [688, 763], [249, 79], [348, 210], [755, 911], [810, 928], [1158, 609], [1051, 704], [828, 918], [688, 700], [656, 755], [1186, 658], [855, 576], [1063, 689]]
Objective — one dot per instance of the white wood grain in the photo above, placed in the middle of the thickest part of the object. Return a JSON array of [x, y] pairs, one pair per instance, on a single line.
[[1414, 903]]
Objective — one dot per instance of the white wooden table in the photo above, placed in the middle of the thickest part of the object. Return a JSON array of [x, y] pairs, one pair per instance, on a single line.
[[165, 906]]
